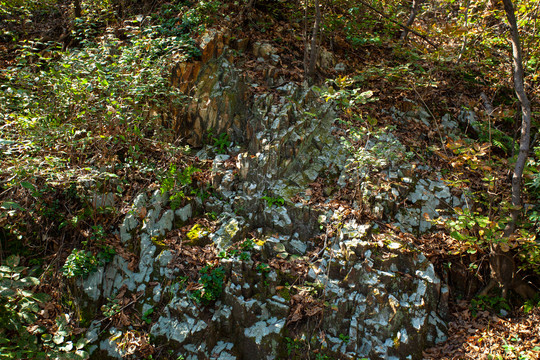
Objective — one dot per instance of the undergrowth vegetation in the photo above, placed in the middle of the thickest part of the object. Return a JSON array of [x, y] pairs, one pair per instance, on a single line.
[[84, 128]]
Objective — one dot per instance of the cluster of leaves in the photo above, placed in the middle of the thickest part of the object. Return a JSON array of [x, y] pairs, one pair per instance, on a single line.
[[241, 250], [83, 262], [18, 310], [359, 25], [111, 308], [20, 336], [178, 19], [83, 114], [211, 285], [346, 95], [18, 15], [476, 229], [272, 200], [80, 263], [177, 183], [483, 303], [220, 142], [297, 348]]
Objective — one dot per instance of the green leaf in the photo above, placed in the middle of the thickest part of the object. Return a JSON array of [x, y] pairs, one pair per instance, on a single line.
[[41, 297], [10, 205], [58, 339], [13, 260], [28, 185], [28, 317], [457, 235], [30, 281], [81, 343], [7, 293], [82, 354], [67, 347]]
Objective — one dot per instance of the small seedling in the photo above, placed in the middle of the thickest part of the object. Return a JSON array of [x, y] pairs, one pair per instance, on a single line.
[[344, 338], [147, 314], [271, 201]]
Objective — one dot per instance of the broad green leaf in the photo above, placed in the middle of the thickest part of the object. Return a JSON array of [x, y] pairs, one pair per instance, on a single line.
[[28, 185], [67, 347], [58, 339], [10, 205], [30, 281], [5, 293]]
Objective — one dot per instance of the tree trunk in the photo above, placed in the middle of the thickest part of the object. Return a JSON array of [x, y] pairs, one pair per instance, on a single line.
[[464, 45], [314, 50], [77, 4], [503, 268], [525, 108], [414, 11]]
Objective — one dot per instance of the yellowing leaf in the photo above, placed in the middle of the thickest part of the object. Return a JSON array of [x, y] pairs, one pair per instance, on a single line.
[[505, 247]]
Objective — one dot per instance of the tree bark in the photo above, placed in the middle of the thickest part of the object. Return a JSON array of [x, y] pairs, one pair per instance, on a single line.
[[503, 268], [525, 108], [464, 45], [414, 11], [77, 4], [314, 51]]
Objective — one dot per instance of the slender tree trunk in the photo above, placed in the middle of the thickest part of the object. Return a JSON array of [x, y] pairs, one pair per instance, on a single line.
[[503, 268], [314, 49], [525, 108], [464, 45], [414, 11], [77, 4]]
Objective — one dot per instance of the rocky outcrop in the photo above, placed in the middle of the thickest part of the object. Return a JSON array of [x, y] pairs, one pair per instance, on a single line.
[[216, 92], [376, 299], [384, 299]]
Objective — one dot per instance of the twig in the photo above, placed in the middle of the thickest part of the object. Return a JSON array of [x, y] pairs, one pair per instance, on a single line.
[[399, 24]]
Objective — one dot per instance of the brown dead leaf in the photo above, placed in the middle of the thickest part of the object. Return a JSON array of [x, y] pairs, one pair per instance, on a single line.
[[296, 315], [312, 311], [192, 286]]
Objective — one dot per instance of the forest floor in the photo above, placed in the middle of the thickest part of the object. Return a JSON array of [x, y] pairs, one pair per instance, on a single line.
[[397, 72]]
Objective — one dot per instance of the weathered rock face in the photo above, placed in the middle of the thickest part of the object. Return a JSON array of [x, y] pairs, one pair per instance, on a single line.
[[216, 93], [383, 300], [218, 104], [386, 299]]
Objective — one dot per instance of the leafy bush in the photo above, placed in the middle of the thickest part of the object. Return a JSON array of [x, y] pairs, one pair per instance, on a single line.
[[80, 263], [494, 303], [220, 143], [271, 201], [20, 337], [211, 282], [18, 311], [176, 182]]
